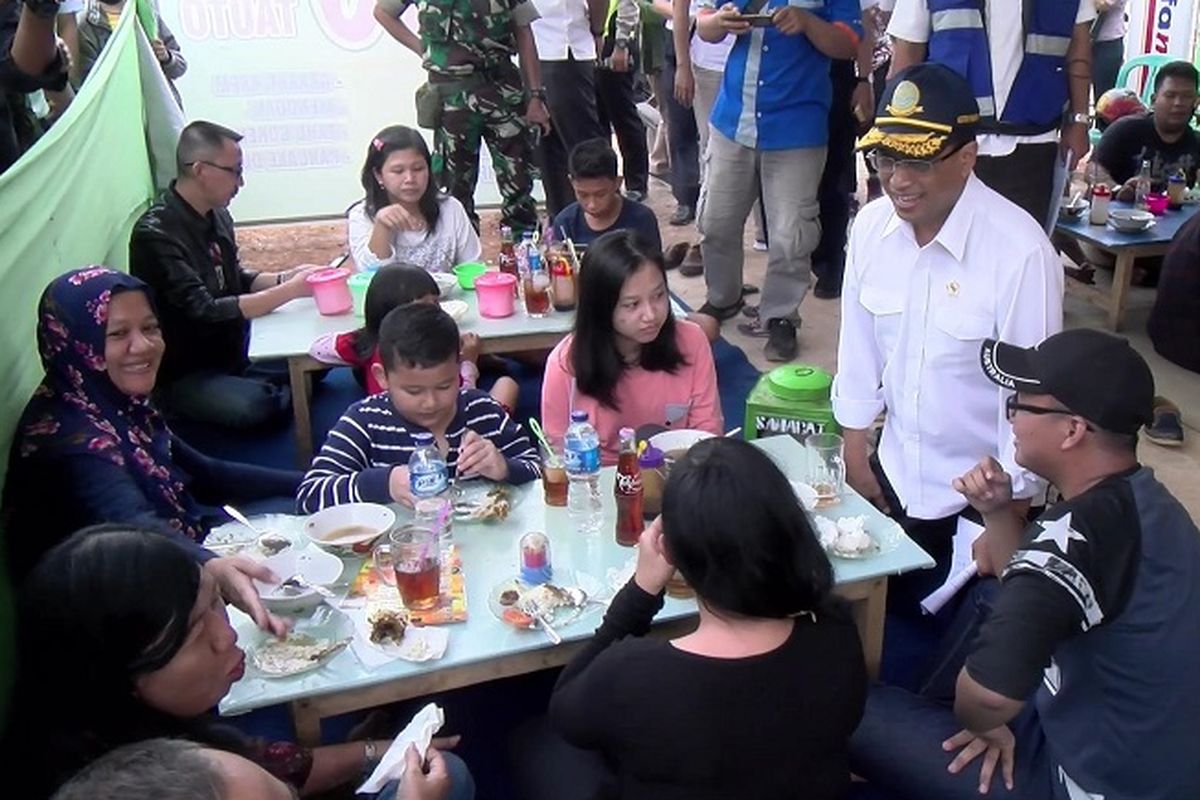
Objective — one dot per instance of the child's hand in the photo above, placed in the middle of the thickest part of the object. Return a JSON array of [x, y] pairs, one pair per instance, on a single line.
[[478, 456], [399, 487], [468, 346]]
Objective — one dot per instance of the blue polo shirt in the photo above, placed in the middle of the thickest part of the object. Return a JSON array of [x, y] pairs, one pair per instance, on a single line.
[[776, 91]]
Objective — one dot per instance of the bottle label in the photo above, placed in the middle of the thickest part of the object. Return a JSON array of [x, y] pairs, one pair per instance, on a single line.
[[629, 484], [427, 483], [582, 460]]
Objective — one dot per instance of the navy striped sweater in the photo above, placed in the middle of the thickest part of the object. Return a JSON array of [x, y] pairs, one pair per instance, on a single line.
[[371, 438]]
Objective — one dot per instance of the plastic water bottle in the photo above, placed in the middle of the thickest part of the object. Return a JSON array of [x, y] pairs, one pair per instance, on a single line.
[[1142, 187], [581, 454], [429, 480]]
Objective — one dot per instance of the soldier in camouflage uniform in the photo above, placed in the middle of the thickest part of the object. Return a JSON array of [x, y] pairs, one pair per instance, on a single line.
[[475, 93]]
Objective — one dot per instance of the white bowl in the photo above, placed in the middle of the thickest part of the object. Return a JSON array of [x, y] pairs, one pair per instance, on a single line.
[[1076, 211], [313, 564], [806, 494], [457, 309], [447, 283], [1130, 220], [350, 527], [678, 440]]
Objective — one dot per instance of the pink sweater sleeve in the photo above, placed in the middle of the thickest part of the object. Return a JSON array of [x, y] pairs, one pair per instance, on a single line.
[[556, 391], [705, 413]]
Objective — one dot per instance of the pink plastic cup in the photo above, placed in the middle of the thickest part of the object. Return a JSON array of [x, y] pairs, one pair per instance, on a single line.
[[495, 291], [1156, 203], [331, 290]]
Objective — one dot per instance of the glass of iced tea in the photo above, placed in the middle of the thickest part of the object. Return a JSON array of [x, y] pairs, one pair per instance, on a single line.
[[554, 476], [417, 566], [537, 293]]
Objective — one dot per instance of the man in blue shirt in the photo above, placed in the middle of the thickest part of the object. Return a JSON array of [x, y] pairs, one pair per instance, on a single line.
[[770, 124]]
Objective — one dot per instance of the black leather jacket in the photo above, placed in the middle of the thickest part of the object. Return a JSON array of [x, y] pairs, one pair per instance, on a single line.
[[171, 249]]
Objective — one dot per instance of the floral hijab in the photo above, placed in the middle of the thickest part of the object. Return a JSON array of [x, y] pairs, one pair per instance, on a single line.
[[77, 410]]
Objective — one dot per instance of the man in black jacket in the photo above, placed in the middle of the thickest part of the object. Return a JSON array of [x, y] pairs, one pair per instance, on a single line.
[[30, 60], [184, 248]]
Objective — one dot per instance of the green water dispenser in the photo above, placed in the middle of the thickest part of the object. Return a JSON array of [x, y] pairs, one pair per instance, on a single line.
[[792, 400]]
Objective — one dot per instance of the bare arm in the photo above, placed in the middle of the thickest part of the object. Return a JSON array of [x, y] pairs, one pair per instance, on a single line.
[[979, 708], [905, 54], [259, 303], [528, 57], [68, 31], [597, 14], [398, 29], [34, 46], [834, 41], [1079, 83], [334, 765]]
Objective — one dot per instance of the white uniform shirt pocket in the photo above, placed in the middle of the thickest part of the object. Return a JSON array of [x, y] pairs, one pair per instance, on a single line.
[[885, 305]]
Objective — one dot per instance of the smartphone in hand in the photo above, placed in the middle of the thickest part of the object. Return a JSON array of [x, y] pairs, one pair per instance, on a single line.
[[756, 20]]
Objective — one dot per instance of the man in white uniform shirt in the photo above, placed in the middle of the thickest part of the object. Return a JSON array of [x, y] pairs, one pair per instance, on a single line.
[[1029, 63], [935, 267], [566, 34]]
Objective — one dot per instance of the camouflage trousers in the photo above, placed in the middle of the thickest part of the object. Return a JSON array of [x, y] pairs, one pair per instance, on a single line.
[[492, 113]]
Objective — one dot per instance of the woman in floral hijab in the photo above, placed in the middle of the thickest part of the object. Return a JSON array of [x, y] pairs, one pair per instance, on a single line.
[[91, 447]]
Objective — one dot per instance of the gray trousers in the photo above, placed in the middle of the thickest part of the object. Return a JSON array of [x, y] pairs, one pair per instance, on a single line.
[[789, 191]]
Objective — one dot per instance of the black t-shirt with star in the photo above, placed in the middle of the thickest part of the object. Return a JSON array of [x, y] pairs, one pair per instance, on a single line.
[[1097, 622], [1073, 570]]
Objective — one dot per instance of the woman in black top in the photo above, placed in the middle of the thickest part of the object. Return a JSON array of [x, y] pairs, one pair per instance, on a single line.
[[760, 700]]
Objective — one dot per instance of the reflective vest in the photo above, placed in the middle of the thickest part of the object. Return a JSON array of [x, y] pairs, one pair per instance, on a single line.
[[1039, 94]]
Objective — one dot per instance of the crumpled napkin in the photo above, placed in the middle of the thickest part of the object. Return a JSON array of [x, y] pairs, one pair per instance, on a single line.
[[419, 733]]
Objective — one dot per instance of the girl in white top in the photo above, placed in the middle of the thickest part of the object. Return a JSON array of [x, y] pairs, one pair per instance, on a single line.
[[404, 218]]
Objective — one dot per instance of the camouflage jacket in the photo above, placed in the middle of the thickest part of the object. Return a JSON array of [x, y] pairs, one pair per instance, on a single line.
[[464, 36]]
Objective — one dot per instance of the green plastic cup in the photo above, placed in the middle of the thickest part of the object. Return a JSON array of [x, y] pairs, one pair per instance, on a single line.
[[358, 283], [468, 272]]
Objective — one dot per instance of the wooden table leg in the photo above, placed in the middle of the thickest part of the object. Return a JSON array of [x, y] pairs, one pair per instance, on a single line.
[[307, 722], [1122, 280], [869, 617], [302, 414]]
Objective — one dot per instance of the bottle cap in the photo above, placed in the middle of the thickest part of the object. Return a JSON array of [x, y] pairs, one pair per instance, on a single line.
[[579, 416], [422, 436], [651, 457]]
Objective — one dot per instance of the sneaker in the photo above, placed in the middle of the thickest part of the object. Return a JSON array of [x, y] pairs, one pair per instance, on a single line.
[[720, 312], [636, 195], [693, 263], [684, 215], [781, 340], [674, 255], [1167, 427], [754, 328], [750, 311], [760, 245], [749, 289]]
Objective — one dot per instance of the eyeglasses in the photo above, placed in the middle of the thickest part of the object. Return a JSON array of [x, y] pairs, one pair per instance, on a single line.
[[1011, 407], [234, 171], [886, 165]]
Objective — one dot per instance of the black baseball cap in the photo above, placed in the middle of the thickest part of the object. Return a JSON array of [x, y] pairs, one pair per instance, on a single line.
[[1095, 374], [924, 110]]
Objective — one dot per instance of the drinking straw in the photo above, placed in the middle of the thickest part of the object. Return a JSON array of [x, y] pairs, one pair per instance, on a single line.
[[574, 255], [539, 433]]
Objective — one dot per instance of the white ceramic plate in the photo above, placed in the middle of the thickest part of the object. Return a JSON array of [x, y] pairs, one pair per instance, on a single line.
[[474, 493], [330, 629], [678, 440], [311, 563], [806, 494], [497, 602], [447, 284], [457, 309]]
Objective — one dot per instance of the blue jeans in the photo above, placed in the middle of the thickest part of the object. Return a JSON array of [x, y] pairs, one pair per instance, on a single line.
[[243, 401], [462, 785]]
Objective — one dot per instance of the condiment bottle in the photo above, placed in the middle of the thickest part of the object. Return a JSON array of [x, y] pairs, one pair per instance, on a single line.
[[535, 558], [1101, 196], [628, 490], [654, 477]]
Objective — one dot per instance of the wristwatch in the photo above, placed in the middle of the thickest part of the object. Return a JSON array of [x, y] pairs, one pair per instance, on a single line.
[[46, 9], [1080, 117], [370, 752], [539, 93], [863, 79], [622, 43]]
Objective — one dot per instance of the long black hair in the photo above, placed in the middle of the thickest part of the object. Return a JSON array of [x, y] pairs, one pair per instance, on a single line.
[[595, 360], [105, 606], [733, 526], [392, 286], [386, 142]]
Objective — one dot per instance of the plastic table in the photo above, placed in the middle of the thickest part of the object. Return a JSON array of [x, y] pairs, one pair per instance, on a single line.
[[483, 648], [1125, 248]]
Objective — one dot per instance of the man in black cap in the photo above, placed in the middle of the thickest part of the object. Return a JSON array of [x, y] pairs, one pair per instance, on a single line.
[[934, 267], [1082, 681]]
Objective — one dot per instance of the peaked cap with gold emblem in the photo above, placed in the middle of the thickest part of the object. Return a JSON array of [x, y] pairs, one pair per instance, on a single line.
[[924, 110]]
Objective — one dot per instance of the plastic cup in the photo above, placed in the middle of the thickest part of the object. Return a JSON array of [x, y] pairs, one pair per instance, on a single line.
[[359, 282], [554, 477]]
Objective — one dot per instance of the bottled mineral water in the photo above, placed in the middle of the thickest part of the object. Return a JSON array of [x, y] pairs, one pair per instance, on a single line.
[[429, 480], [581, 454]]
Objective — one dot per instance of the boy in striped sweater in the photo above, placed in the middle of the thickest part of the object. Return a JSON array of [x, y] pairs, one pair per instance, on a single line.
[[365, 457]]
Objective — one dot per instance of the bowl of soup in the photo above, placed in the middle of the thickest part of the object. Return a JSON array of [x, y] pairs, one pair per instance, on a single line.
[[312, 566], [352, 527]]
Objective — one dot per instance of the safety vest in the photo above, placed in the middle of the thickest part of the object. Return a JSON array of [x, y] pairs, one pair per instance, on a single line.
[[1039, 94]]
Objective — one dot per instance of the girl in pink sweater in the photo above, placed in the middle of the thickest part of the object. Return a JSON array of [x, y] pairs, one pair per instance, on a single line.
[[629, 362]]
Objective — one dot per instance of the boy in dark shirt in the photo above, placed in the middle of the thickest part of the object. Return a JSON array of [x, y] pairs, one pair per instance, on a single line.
[[599, 206], [365, 458]]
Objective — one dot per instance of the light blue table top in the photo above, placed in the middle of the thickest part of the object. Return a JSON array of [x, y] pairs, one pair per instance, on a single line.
[[1161, 233], [489, 556]]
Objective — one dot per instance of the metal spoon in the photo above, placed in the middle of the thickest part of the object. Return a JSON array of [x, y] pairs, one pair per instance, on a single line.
[[298, 582], [267, 541], [534, 612]]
